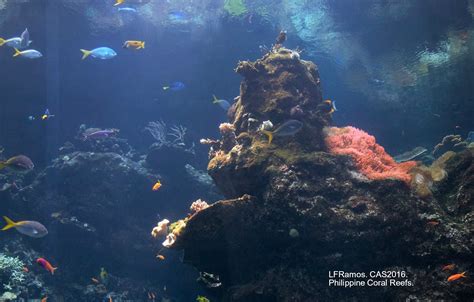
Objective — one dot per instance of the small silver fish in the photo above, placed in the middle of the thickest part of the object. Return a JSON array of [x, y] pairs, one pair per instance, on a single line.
[[29, 53]]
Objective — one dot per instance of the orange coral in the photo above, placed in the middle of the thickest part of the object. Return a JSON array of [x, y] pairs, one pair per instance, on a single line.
[[369, 157]]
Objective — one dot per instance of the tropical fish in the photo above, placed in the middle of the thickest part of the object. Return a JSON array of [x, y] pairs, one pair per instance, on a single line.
[[21, 162], [46, 115], [30, 228], [17, 42], [175, 86], [161, 257], [433, 223], [118, 2], [134, 44], [103, 274], [100, 134], [12, 42], [157, 186], [327, 106], [224, 104], [289, 128], [448, 267], [29, 54], [25, 39], [457, 276], [95, 280], [103, 53], [46, 265], [44, 299], [127, 9]]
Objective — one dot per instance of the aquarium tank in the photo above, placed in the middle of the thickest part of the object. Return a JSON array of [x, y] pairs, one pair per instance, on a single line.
[[236, 150]]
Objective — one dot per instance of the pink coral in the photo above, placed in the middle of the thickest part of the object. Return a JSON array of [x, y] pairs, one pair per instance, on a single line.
[[369, 157], [198, 205]]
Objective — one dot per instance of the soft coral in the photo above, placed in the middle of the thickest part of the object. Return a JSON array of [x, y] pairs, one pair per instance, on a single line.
[[369, 157]]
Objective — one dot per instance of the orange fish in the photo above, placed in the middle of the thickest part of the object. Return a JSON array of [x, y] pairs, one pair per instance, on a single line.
[[456, 277], [433, 223], [134, 44], [46, 265], [95, 280], [157, 186], [44, 299], [161, 257], [448, 267]]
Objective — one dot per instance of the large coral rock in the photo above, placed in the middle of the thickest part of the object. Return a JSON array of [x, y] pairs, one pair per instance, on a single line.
[[94, 203], [296, 212]]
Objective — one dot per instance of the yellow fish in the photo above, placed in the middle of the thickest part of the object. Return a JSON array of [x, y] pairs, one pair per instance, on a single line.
[[134, 44], [118, 2]]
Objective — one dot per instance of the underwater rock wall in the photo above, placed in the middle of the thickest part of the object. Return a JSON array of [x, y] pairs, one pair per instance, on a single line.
[[296, 212]]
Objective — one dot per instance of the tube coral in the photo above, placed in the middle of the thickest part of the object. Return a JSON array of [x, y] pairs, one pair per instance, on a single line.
[[369, 157]]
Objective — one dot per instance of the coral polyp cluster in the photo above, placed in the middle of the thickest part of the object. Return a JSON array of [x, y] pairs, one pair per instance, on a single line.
[[369, 157]]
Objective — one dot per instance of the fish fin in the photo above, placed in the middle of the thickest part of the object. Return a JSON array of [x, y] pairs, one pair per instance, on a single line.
[[143, 45], [85, 53], [17, 52], [53, 269], [215, 100], [464, 274], [125, 45], [3, 165], [10, 223], [166, 87], [2, 41], [270, 136]]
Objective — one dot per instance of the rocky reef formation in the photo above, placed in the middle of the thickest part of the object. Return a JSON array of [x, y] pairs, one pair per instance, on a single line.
[[296, 211]]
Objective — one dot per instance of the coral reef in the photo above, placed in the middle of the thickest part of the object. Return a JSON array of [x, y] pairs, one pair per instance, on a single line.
[[369, 157], [12, 272], [295, 211], [449, 143]]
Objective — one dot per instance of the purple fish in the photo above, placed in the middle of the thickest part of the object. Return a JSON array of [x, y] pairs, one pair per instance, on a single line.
[[20, 162]]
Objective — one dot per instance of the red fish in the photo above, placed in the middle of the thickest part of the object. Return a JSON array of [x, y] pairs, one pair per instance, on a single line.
[[448, 267], [46, 265], [456, 277]]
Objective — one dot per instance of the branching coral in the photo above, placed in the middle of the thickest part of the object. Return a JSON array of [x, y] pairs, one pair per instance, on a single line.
[[158, 131], [369, 157], [11, 271]]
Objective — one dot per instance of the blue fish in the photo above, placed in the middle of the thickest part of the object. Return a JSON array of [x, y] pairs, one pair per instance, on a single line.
[[127, 9], [103, 53], [29, 54], [176, 86], [224, 104], [178, 16], [25, 39]]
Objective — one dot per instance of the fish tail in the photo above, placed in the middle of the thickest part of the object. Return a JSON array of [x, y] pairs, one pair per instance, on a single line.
[[464, 274], [143, 45], [269, 134], [10, 223], [215, 100], [53, 269], [17, 52], [166, 87], [85, 53], [2, 41], [3, 165]]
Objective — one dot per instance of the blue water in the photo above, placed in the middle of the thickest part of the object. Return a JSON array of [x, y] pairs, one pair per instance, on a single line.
[[402, 72]]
